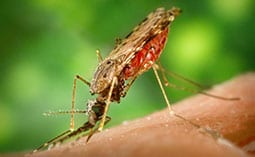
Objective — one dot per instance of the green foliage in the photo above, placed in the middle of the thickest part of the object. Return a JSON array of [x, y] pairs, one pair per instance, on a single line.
[[45, 43]]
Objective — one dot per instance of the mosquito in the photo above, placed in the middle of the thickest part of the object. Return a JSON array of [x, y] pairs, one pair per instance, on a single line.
[[138, 52]]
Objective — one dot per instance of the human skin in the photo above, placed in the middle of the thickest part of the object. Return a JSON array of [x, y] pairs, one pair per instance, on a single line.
[[162, 134]]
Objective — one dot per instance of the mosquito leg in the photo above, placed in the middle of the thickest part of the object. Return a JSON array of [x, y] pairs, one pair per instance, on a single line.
[[82, 79], [99, 56], [51, 141], [201, 92], [72, 115], [73, 102], [159, 66], [163, 71], [77, 77], [108, 101], [162, 89], [211, 132]]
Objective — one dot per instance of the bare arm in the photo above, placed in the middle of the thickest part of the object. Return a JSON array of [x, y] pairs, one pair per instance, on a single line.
[[160, 134]]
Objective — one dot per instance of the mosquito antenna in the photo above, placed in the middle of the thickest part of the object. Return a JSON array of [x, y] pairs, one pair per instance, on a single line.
[[50, 113], [202, 92]]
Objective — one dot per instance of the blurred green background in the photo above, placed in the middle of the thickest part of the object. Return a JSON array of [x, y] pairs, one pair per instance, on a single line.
[[44, 43]]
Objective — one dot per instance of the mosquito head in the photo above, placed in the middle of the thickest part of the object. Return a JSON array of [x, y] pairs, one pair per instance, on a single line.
[[103, 76]]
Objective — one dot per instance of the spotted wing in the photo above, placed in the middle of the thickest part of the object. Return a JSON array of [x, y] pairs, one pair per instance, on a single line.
[[152, 25]]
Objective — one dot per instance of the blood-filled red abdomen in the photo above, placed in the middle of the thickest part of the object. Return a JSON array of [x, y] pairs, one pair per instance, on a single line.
[[145, 58]]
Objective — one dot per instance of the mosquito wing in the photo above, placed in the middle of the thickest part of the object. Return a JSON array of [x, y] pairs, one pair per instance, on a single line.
[[152, 25]]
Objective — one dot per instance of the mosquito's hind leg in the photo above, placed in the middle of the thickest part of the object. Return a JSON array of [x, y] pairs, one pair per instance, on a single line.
[[197, 91], [154, 67], [77, 77], [175, 75], [211, 132]]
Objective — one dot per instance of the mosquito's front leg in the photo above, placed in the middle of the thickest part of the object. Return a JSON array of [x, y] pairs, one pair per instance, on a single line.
[[108, 101], [77, 77]]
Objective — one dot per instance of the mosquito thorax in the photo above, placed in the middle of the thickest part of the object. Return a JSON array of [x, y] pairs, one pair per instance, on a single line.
[[103, 76]]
